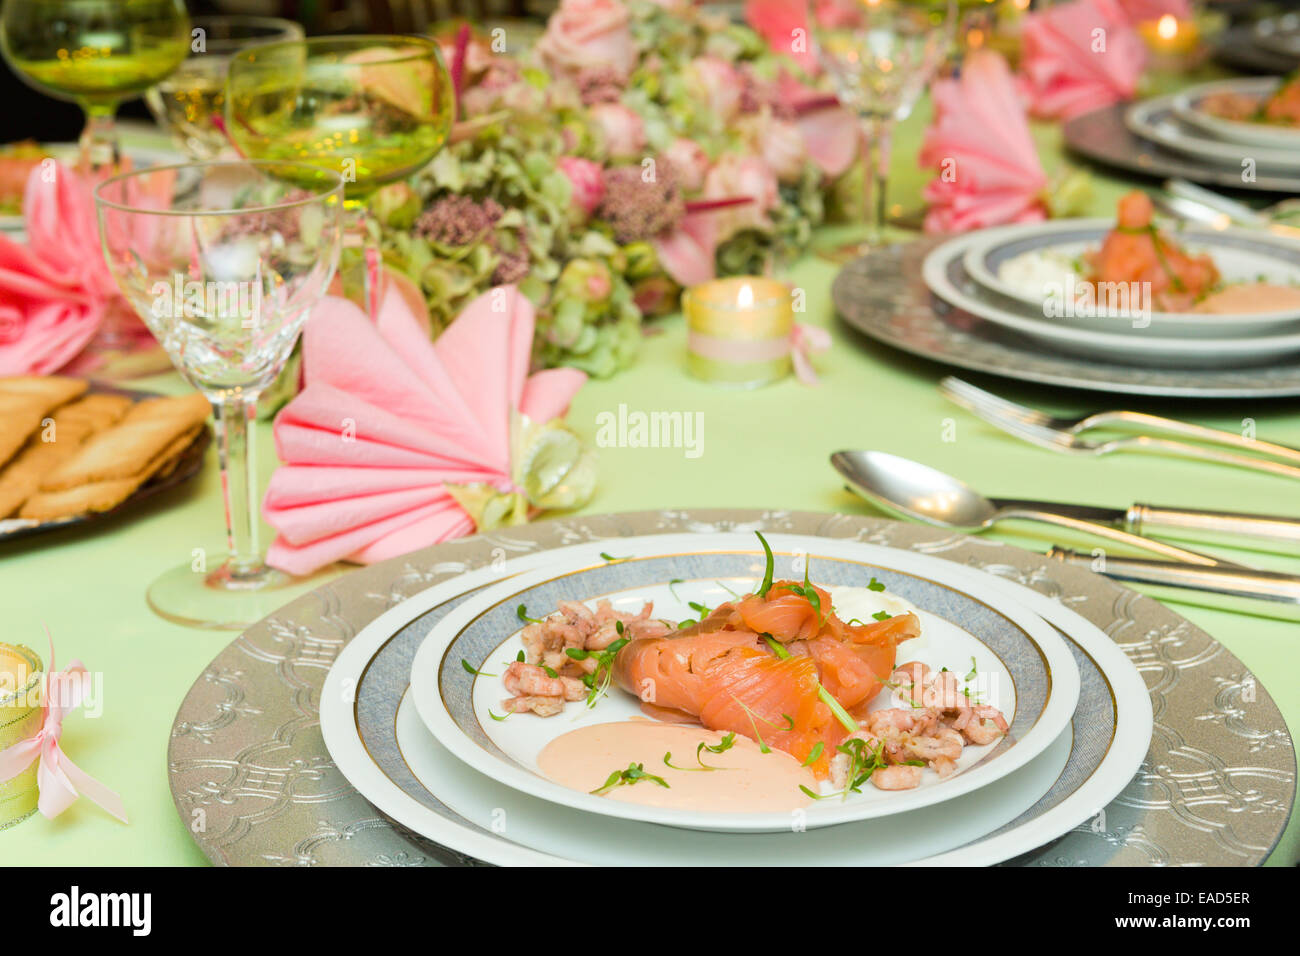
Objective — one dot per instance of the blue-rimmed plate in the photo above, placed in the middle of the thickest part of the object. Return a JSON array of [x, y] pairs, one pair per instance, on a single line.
[[1037, 262], [945, 276], [1189, 106], [1026, 669], [1156, 121]]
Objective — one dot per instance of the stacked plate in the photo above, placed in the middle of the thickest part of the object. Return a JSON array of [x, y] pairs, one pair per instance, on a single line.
[[1187, 123], [411, 712], [1028, 280]]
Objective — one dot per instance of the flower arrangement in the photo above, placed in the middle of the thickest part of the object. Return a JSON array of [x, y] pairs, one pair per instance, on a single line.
[[640, 146]]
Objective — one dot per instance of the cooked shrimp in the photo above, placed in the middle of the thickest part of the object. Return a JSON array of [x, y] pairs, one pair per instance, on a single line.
[[529, 680], [541, 706], [979, 732], [897, 777]]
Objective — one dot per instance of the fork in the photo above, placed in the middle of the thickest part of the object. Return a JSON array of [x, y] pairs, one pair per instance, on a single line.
[[1064, 434]]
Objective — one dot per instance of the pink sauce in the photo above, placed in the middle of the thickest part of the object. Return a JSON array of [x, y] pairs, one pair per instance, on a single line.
[[1250, 297], [752, 781]]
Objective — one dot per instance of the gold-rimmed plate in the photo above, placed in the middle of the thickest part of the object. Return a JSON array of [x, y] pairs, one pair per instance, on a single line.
[[1023, 665]]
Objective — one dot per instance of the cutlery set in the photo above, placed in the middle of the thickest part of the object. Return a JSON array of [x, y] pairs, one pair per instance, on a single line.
[[916, 492]]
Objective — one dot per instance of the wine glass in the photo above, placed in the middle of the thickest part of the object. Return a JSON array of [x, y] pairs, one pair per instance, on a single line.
[[376, 108], [96, 53], [224, 261], [186, 101], [880, 54]]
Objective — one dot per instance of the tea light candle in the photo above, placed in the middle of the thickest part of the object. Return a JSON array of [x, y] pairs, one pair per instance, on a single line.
[[20, 718], [738, 330], [1170, 35]]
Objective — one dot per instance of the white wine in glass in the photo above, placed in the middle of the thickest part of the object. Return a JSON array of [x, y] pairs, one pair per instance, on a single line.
[[191, 102], [95, 53]]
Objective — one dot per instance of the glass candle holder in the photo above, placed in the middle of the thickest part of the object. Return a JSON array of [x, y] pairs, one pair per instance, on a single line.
[[738, 331], [21, 673]]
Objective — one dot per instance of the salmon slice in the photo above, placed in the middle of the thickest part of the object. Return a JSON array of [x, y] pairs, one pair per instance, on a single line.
[[668, 672], [851, 673], [1135, 252], [785, 615], [774, 701]]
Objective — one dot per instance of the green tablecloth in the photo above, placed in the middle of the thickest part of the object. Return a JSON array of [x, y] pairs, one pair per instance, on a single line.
[[764, 449]]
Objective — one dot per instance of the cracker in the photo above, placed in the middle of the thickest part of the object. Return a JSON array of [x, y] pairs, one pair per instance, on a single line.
[[98, 411], [21, 478], [46, 449], [102, 495], [127, 449], [20, 415], [50, 391]]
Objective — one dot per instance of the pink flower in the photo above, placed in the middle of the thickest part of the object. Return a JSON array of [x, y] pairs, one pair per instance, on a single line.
[[736, 175], [689, 163], [589, 33], [784, 25], [587, 182], [1080, 56], [622, 129], [720, 84], [989, 171], [781, 144]]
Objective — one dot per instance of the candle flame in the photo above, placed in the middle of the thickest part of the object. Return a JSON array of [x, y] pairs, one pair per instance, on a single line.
[[1167, 27], [745, 298]]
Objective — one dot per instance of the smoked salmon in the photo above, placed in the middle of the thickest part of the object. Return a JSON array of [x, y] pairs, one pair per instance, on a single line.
[[724, 672], [1137, 253]]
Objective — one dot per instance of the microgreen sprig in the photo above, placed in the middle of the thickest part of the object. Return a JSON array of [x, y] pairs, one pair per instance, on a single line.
[[598, 681], [634, 774], [470, 668]]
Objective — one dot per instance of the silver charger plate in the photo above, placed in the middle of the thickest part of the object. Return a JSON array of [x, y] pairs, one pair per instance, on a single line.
[[1238, 47], [253, 783], [1102, 137], [884, 296]]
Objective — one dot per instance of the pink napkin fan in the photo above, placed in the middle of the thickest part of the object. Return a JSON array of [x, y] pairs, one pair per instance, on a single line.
[[1080, 56], [989, 171], [391, 426], [56, 289]]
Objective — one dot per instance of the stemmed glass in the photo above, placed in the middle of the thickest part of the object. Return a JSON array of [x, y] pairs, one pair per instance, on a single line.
[[224, 261], [96, 53], [880, 54], [186, 101], [376, 108]]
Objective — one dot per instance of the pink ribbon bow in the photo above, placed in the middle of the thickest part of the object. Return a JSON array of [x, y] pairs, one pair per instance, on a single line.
[[800, 344], [805, 340], [58, 779]]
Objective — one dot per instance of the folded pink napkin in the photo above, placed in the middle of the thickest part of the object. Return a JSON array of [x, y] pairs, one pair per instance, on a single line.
[[388, 419], [56, 289], [989, 172], [1080, 56]]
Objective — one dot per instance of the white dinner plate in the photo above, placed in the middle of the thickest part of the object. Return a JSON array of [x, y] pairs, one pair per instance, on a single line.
[[1024, 667], [499, 825], [1241, 255], [1188, 106], [946, 277], [1154, 120]]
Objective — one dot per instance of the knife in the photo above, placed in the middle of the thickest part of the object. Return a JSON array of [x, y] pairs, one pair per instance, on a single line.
[[1271, 533], [1266, 593]]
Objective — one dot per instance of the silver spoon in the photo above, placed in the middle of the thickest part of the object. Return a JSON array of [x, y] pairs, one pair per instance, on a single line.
[[908, 489]]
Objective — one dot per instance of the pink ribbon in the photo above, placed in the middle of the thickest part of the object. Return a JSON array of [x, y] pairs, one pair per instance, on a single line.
[[58, 779], [803, 341]]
